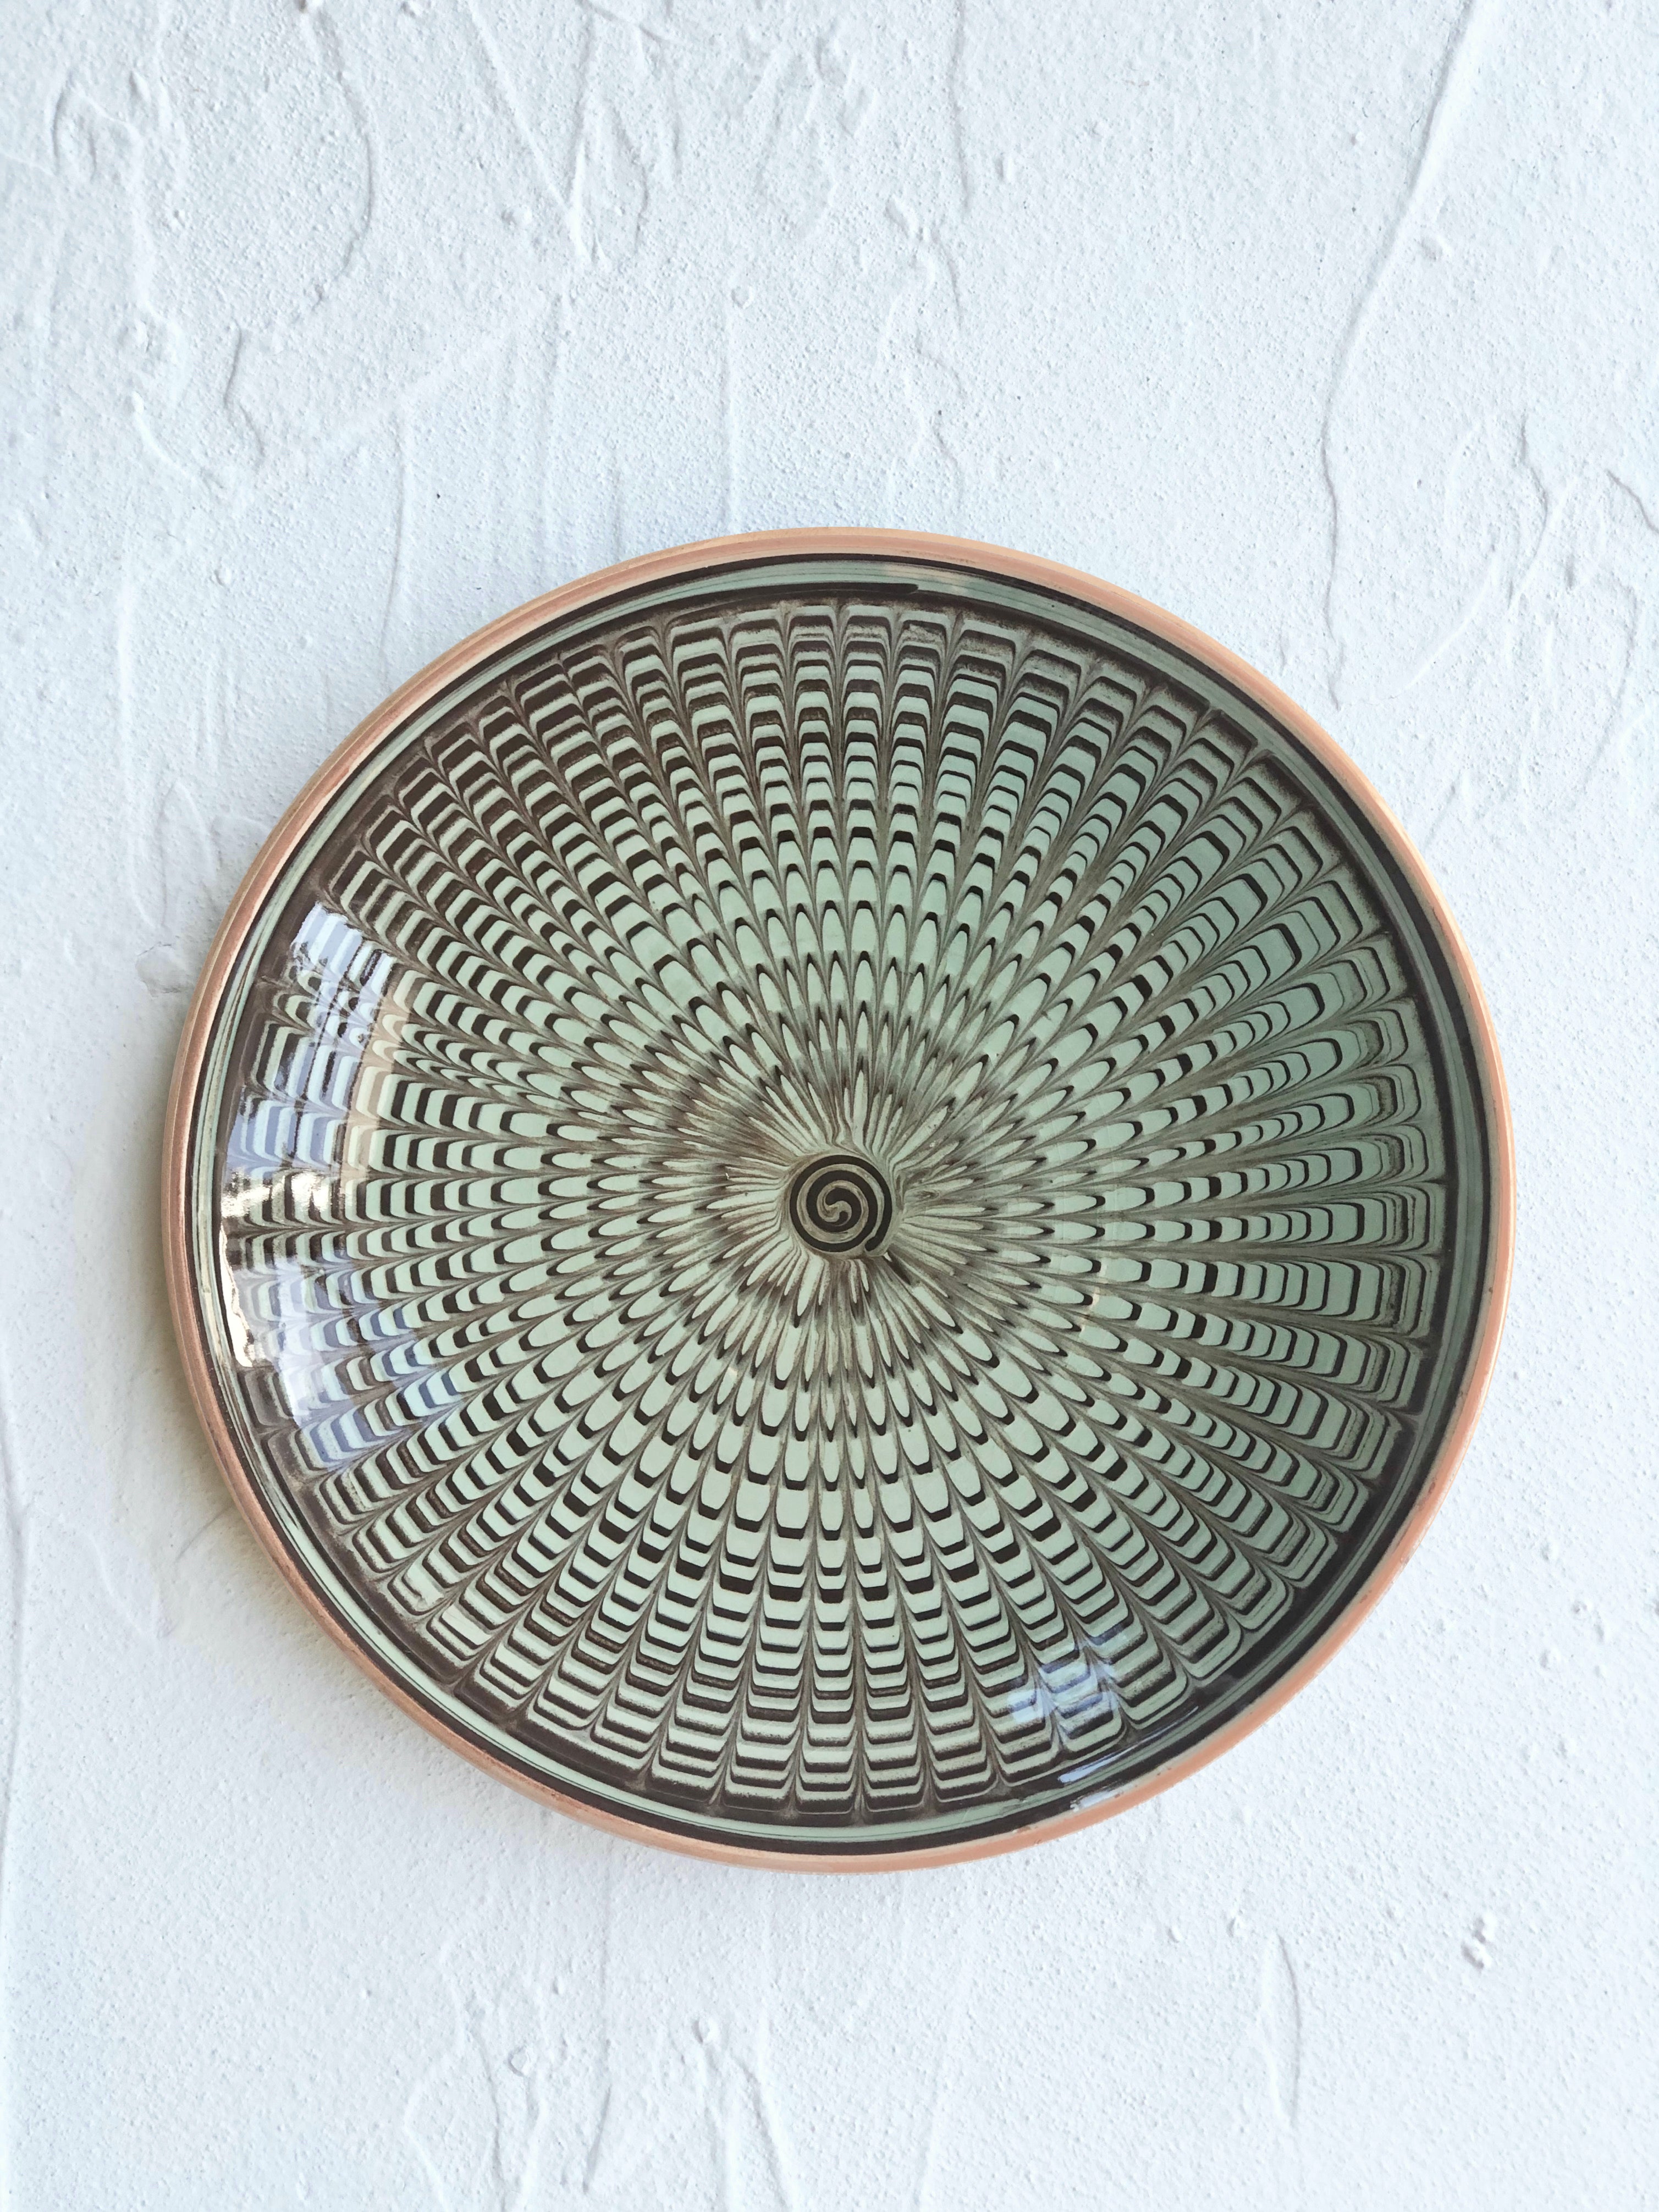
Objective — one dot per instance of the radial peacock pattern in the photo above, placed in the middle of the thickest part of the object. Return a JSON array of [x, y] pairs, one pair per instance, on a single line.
[[831, 1210]]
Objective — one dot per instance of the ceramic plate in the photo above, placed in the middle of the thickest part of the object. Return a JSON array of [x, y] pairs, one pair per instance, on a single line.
[[839, 1197]]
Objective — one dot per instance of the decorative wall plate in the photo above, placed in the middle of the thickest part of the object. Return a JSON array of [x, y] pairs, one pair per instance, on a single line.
[[839, 1198]]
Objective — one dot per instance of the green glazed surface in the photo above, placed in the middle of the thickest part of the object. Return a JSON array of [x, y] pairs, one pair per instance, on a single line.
[[839, 1205]]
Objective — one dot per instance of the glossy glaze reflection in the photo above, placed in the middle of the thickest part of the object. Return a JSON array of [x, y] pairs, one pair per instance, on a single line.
[[840, 1204]]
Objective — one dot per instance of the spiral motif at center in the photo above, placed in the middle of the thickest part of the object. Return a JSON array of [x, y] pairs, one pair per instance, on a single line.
[[839, 1204]]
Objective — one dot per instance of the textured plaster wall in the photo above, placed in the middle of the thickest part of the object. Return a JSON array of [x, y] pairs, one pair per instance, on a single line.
[[329, 332]]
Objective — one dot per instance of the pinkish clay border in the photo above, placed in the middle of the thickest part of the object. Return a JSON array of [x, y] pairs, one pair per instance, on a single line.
[[889, 544]]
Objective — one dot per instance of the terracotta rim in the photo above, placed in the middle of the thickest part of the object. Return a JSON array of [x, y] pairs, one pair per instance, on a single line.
[[888, 544]]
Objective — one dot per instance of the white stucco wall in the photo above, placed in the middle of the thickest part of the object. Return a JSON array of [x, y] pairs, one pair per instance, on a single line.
[[329, 331]]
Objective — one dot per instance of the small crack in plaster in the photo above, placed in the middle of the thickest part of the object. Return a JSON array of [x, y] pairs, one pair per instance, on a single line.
[[1453, 90]]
